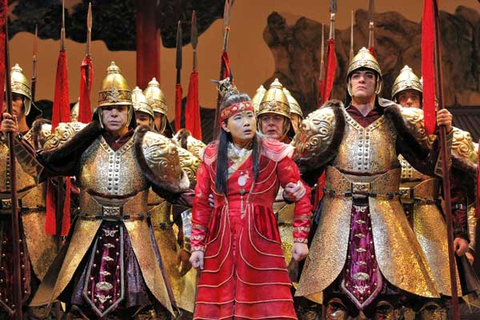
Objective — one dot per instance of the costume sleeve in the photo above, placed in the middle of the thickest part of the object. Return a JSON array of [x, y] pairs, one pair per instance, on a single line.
[[287, 171], [201, 209]]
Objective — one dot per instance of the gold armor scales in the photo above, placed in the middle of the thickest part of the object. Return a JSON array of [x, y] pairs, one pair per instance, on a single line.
[[108, 175], [41, 247], [363, 151]]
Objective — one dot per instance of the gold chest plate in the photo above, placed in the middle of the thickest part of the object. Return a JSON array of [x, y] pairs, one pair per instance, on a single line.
[[114, 174], [24, 180], [367, 150]]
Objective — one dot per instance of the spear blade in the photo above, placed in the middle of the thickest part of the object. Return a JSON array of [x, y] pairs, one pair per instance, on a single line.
[[333, 6], [178, 63], [371, 10], [89, 29], [62, 32], [194, 39]]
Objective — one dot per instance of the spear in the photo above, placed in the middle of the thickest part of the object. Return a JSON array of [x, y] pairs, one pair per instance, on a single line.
[[321, 77], [445, 154], [86, 75], [192, 108], [178, 85], [13, 180], [371, 26], [352, 52], [34, 62], [225, 71]]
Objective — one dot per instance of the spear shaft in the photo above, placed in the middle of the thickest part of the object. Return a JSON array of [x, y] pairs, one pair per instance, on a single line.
[[445, 154], [34, 63], [13, 187]]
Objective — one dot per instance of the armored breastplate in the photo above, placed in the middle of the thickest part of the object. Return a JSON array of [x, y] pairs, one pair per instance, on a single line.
[[367, 150], [24, 180], [111, 179]]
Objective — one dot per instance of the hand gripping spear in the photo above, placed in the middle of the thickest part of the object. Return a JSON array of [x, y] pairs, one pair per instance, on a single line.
[[13, 186]]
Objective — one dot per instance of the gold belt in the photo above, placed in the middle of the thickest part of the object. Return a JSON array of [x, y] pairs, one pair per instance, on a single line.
[[6, 203], [383, 186], [134, 208]]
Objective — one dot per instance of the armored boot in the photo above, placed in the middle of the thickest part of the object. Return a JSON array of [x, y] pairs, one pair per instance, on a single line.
[[336, 310], [433, 311]]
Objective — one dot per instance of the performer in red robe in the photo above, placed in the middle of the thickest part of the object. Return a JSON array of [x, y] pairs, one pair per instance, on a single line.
[[237, 244]]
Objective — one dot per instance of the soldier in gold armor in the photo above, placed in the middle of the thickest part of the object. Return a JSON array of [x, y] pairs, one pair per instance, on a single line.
[[168, 220], [144, 115], [364, 257], [111, 264], [422, 204], [37, 248]]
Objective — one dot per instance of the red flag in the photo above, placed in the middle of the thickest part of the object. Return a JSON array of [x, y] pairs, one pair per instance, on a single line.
[[428, 73], [3, 19], [178, 106], [84, 109], [192, 110], [330, 68], [226, 72], [60, 113], [61, 102]]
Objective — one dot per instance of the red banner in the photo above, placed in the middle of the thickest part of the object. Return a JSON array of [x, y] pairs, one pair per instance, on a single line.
[[178, 106], [330, 69], [84, 108], [227, 73], [192, 110], [60, 113], [428, 73]]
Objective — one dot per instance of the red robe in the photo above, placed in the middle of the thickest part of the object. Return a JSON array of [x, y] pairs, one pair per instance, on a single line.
[[245, 275]]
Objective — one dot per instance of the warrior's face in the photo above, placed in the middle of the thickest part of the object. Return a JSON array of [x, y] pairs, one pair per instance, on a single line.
[[115, 118], [242, 127], [363, 84], [17, 105], [410, 99], [272, 125], [143, 119]]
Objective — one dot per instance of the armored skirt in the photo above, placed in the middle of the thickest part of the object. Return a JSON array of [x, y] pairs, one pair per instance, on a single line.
[[245, 274]]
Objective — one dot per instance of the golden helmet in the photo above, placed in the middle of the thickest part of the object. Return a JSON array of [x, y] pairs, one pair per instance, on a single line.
[[140, 102], [155, 97], [406, 80], [74, 112], [21, 85], [114, 89], [294, 106], [365, 60], [257, 97], [275, 101]]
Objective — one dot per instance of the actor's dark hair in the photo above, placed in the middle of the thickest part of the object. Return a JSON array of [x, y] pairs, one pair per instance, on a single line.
[[224, 138]]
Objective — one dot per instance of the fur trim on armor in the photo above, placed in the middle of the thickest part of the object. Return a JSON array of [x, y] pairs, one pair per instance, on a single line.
[[65, 159], [162, 186]]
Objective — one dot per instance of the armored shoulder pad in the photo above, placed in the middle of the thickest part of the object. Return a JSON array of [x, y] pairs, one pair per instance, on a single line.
[[463, 145], [189, 164], [414, 123], [163, 161], [317, 133], [183, 138], [63, 133]]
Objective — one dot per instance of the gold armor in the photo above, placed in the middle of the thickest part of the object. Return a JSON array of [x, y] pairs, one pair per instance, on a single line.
[[366, 164], [113, 187], [193, 145], [63, 132], [258, 97], [294, 106], [275, 101], [114, 91], [406, 80], [156, 97], [365, 60], [21, 85], [41, 248], [140, 103], [74, 111]]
